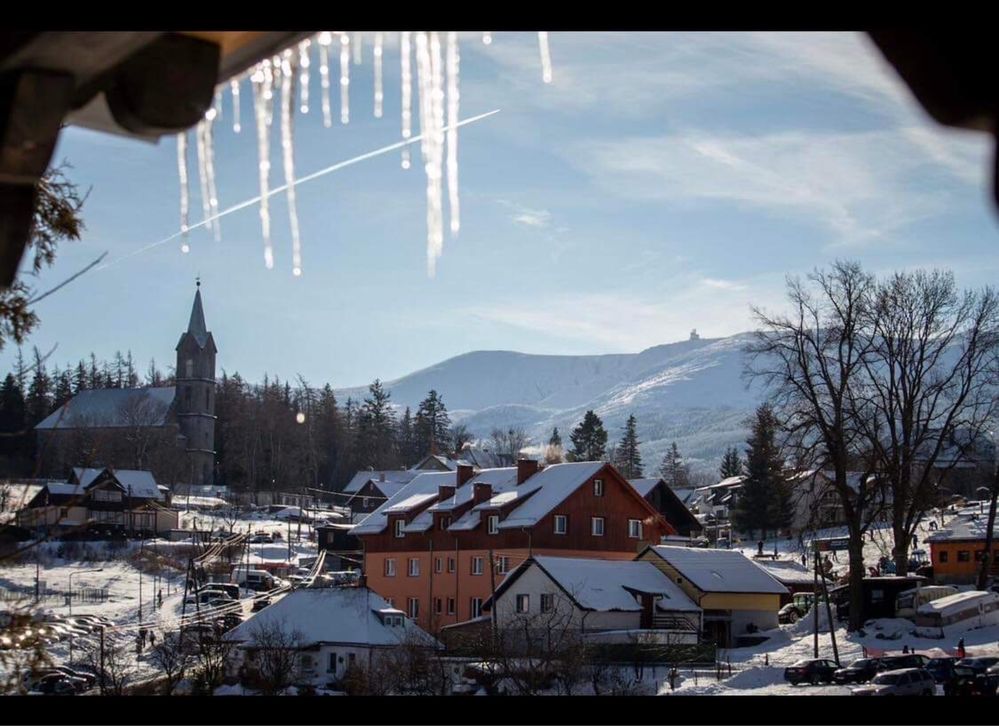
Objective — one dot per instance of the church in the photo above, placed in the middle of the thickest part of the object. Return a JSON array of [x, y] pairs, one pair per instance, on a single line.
[[168, 430]]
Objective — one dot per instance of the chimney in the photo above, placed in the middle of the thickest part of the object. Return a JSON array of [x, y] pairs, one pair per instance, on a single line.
[[465, 472], [444, 491], [381, 476], [481, 493], [526, 468]]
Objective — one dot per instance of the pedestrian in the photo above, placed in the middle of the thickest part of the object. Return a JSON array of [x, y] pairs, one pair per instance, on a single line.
[[159, 597], [960, 648], [759, 546], [804, 560], [905, 650], [915, 541], [672, 678], [152, 640]]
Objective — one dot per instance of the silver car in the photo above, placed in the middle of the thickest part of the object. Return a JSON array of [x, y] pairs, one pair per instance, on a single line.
[[902, 682]]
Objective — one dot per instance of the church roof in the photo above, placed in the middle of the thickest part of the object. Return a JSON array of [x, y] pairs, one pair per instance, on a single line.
[[196, 327], [113, 408]]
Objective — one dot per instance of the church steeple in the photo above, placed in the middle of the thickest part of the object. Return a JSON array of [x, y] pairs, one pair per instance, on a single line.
[[195, 394], [196, 327]]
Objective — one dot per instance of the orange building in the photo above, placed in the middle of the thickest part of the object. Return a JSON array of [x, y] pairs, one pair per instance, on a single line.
[[440, 546], [956, 552]]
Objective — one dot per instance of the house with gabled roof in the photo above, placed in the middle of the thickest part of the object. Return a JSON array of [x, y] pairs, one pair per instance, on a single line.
[[669, 504], [439, 546]]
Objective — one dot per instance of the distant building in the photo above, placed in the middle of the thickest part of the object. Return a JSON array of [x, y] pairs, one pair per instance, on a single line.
[[956, 552], [143, 428], [669, 504], [694, 335]]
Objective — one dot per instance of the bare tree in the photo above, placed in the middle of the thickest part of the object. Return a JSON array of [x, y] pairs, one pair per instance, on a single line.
[[509, 443], [930, 387], [172, 660], [115, 667], [212, 657], [813, 361], [272, 661]]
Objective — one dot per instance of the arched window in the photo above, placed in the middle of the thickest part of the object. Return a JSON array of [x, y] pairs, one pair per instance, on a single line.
[[189, 368]]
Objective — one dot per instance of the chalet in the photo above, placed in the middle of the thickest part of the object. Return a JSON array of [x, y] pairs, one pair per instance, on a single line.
[[669, 504], [439, 546], [343, 549], [956, 552], [124, 499], [369, 489], [331, 628], [607, 601], [734, 593]]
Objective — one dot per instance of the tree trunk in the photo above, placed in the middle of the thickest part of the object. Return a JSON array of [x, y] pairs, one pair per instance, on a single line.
[[856, 550], [901, 549]]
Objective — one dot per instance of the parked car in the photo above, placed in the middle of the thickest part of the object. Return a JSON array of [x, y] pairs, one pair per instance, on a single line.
[[260, 604], [228, 621], [911, 660], [30, 678], [204, 597], [971, 677], [58, 684], [860, 671], [942, 669], [902, 682], [811, 671], [795, 610], [232, 590]]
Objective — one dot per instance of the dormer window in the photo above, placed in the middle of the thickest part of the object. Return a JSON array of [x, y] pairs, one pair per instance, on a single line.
[[493, 524], [399, 524], [445, 522]]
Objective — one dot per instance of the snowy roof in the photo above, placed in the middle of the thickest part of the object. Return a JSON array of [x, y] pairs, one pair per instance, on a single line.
[[960, 528], [501, 480], [787, 572], [552, 485], [712, 570], [410, 502], [112, 407], [604, 584], [391, 475], [731, 481], [644, 486], [469, 520], [957, 602], [137, 483], [348, 615], [61, 488], [421, 522], [425, 483]]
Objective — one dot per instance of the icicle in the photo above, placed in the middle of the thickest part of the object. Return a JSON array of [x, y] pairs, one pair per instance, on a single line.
[[407, 94], [234, 88], [261, 80], [357, 49], [303, 78], [431, 85], [378, 75], [184, 189], [288, 156], [275, 62], [218, 104], [546, 57], [213, 197], [487, 38], [452, 133], [206, 204], [344, 78], [325, 38]]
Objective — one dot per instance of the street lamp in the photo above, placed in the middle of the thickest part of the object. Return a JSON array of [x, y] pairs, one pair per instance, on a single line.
[[78, 572]]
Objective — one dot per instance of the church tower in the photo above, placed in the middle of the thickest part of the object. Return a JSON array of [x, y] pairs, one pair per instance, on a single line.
[[195, 396]]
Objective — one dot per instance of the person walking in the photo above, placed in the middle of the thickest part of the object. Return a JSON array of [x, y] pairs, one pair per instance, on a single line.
[[960, 648], [152, 639], [159, 597]]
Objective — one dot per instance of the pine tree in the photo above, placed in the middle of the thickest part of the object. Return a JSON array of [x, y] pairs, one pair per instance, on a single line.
[[628, 459], [764, 500], [39, 398], [731, 464], [12, 416], [433, 425], [376, 428], [80, 377], [589, 439], [674, 472]]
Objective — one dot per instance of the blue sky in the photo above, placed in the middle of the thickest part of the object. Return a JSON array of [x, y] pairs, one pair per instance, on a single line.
[[663, 181]]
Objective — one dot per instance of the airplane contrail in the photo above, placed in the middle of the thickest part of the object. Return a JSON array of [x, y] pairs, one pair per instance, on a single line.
[[277, 190]]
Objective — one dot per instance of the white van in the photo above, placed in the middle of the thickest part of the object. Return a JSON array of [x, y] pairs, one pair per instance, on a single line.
[[908, 602], [258, 580]]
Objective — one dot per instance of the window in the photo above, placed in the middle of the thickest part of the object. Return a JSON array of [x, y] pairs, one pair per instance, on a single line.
[[351, 657], [547, 602], [438, 605], [476, 565], [493, 524], [414, 567], [450, 606], [107, 495], [877, 595], [364, 502], [63, 512], [208, 400], [943, 556], [331, 668], [635, 528], [502, 564], [438, 564], [963, 556], [561, 524], [390, 567], [399, 524], [598, 487], [476, 607], [450, 564], [413, 607], [979, 554], [189, 367], [445, 522], [523, 603], [597, 526]]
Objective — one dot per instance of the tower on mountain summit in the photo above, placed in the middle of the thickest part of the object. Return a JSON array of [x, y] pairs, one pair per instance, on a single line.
[[694, 335]]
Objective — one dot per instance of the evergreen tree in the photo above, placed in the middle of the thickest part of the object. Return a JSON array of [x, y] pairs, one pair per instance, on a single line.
[[408, 450], [628, 460], [433, 425], [731, 464], [554, 452], [555, 439], [12, 416], [39, 398], [674, 472], [764, 500], [589, 439], [80, 377], [376, 428]]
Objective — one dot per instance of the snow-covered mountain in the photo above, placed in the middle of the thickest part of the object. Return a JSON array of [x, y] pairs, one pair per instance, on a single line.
[[692, 392]]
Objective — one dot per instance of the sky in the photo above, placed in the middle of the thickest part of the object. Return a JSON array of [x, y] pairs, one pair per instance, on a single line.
[[662, 182]]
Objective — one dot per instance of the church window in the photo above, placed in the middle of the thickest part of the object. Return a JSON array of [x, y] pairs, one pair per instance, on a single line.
[[189, 367]]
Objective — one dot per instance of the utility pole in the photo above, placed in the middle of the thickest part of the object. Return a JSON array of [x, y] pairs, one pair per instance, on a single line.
[[983, 574], [832, 625], [38, 574], [102, 660], [815, 604]]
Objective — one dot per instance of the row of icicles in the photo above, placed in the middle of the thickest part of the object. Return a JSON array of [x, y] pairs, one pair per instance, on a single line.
[[437, 65]]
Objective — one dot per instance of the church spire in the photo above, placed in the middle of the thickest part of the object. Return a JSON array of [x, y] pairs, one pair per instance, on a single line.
[[196, 326]]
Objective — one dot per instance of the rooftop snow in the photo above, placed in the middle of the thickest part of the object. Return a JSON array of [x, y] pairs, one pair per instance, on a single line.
[[960, 528], [644, 486], [553, 484], [411, 502], [137, 482], [424, 483], [600, 584], [787, 571], [113, 407], [713, 570], [346, 615], [391, 475]]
